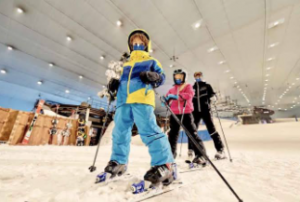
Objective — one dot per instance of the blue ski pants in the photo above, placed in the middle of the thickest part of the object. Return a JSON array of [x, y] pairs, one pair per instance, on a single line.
[[152, 136]]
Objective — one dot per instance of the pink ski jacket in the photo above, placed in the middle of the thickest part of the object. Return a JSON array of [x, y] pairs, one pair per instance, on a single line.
[[184, 92]]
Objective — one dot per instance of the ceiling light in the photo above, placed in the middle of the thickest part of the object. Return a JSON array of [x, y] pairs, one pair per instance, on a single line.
[[171, 66], [89, 98], [103, 86], [3, 71], [279, 108], [197, 24], [285, 109], [119, 23], [266, 80], [232, 77], [297, 79], [212, 49], [221, 62], [80, 76], [276, 23], [10, 48], [266, 84], [293, 83], [102, 57], [270, 59], [272, 45], [40, 82], [268, 68], [151, 50], [227, 71], [20, 10], [51, 64], [67, 91], [69, 38], [235, 82], [267, 75]]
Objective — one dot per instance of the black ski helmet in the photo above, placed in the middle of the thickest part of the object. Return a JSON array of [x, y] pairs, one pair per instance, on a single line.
[[180, 71]]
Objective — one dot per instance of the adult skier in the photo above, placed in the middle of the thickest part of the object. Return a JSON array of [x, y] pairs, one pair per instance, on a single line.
[[135, 104], [180, 98], [202, 99]]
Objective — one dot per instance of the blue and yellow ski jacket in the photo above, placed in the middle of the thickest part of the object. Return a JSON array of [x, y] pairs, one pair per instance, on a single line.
[[132, 89]]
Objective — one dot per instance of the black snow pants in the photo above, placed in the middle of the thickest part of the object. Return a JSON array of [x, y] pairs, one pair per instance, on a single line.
[[206, 116], [188, 122]]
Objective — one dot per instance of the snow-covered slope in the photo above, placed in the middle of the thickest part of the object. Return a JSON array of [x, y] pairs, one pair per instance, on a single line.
[[265, 168]]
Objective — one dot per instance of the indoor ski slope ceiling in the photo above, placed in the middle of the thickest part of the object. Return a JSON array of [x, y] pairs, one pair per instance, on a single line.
[[247, 49]]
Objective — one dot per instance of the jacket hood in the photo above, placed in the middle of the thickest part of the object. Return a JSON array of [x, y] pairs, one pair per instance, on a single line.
[[141, 31]]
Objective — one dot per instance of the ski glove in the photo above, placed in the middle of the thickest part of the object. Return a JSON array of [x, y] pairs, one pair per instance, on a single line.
[[171, 97], [113, 85], [149, 77]]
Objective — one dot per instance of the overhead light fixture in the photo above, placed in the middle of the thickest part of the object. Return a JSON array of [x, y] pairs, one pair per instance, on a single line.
[[51, 64], [235, 82], [212, 49], [297, 79], [227, 71], [10, 48], [268, 68], [197, 25], [266, 80], [151, 50], [119, 23], [80, 76], [103, 86], [89, 98], [232, 77], [271, 58], [293, 83], [3, 71], [279, 108], [67, 91], [171, 66], [102, 57], [272, 45], [40, 82], [20, 10], [276, 23], [221, 62], [267, 75], [69, 38]]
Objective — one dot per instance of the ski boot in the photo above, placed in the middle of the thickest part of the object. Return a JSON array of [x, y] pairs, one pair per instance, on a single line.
[[160, 174], [220, 155], [200, 161], [112, 170]]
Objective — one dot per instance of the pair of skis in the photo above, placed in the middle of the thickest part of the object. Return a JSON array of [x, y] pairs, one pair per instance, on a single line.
[[40, 105]]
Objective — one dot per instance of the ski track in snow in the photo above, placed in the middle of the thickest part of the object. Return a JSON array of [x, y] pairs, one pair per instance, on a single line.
[[265, 168]]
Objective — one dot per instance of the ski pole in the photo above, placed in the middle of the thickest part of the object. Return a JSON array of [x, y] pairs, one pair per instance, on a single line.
[[92, 168], [184, 105], [223, 133], [199, 147]]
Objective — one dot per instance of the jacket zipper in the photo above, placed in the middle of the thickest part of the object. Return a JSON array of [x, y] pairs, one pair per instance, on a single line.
[[178, 100], [129, 76], [198, 98]]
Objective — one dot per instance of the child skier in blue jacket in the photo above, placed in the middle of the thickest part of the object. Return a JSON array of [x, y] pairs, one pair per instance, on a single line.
[[135, 104]]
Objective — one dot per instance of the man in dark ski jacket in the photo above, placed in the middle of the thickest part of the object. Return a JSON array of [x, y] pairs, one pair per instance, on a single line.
[[201, 101]]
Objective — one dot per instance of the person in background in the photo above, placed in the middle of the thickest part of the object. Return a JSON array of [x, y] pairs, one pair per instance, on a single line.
[[202, 110], [180, 98]]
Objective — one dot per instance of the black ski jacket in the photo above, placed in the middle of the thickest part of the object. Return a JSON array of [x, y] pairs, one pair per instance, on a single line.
[[203, 93]]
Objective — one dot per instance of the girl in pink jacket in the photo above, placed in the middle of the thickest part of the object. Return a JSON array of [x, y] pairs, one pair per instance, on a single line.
[[180, 98]]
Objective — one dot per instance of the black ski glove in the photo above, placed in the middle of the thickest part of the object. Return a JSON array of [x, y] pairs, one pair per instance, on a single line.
[[113, 85], [149, 77]]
